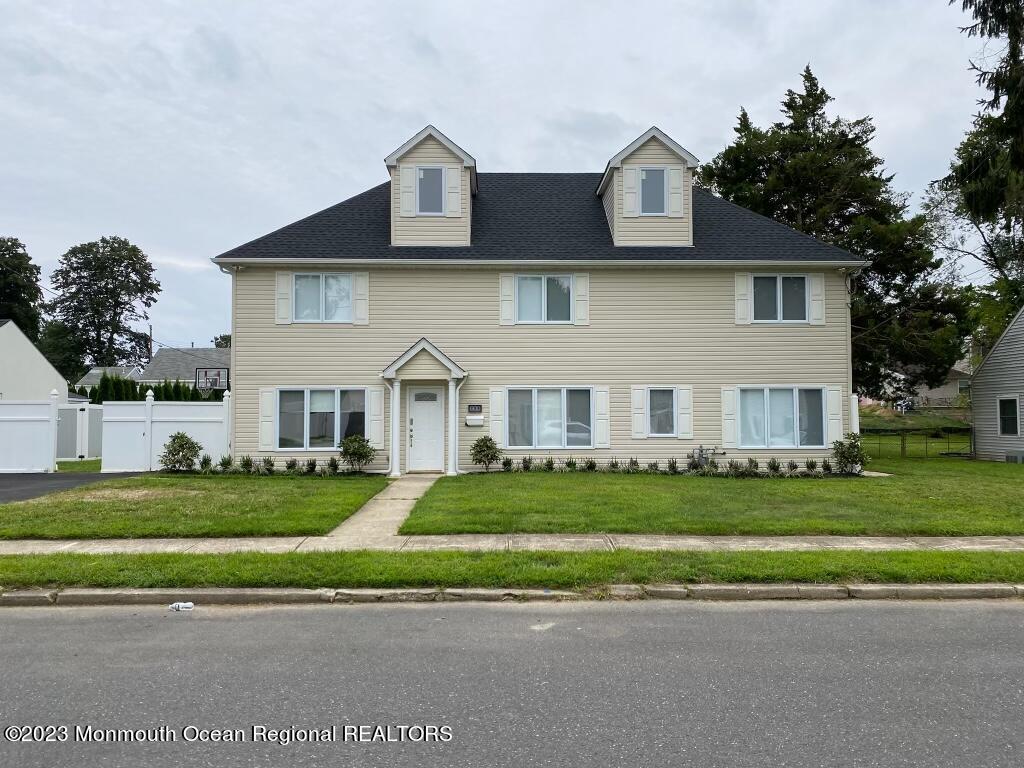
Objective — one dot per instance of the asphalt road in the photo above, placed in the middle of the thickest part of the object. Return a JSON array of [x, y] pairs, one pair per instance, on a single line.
[[18, 487], [594, 684]]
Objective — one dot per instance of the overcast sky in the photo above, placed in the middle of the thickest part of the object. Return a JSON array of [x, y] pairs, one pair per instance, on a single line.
[[190, 128]]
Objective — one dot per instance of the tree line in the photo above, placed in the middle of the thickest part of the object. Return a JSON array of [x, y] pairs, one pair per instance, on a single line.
[[112, 387]]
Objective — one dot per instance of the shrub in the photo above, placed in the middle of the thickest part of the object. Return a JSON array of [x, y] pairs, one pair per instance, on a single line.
[[226, 463], [826, 466], [260, 468], [180, 453], [291, 465], [792, 467], [693, 465], [633, 466], [245, 464], [673, 466], [268, 465], [485, 451], [774, 467], [570, 464], [507, 464], [711, 468], [613, 465], [849, 455], [812, 465], [310, 466], [525, 463], [206, 464], [753, 467], [548, 465], [589, 465], [357, 452], [324, 471], [653, 467], [333, 465], [734, 469]]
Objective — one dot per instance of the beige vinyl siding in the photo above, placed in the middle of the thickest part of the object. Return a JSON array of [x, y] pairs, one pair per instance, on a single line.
[[608, 201], [430, 230], [652, 230], [672, 326], [423, 365], [1001, 375]]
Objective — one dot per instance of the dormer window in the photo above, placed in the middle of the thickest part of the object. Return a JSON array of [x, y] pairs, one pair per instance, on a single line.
[[429, 191], [653, 192]]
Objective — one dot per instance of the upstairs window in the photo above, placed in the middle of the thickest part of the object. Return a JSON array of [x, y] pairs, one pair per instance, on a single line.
[[780, 299], [543, 298], [430, 191], [322, 298], [653, 192], [1009, 408]]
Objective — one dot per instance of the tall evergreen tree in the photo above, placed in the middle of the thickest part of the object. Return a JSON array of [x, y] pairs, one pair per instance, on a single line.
[[104, 287], [61, 345], [818, 174], [21, 298]]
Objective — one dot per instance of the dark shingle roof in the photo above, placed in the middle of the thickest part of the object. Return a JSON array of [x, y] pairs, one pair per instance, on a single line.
[[535, 216], [172, 363]]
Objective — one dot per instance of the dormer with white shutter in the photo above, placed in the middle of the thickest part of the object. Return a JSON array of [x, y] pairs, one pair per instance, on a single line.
[[647, 192], [433, 181]]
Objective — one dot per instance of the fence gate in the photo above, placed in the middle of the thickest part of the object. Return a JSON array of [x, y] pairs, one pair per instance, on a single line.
[[79, 431]]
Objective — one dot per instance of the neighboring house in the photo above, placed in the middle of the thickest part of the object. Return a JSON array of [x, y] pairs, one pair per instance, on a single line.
[[622, 314], [997, 397], [26, 374], [954, 391], [207, 367], [92, 378]]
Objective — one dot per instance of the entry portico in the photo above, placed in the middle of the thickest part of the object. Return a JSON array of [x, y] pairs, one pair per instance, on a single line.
[[426, 372]]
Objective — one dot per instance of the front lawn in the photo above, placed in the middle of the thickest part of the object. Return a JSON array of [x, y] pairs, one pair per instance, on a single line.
[[552, 570], [84, 465], [170, 506], [925, 497]]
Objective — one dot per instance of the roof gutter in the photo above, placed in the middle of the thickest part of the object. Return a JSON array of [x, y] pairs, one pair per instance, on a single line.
[[856, 264]]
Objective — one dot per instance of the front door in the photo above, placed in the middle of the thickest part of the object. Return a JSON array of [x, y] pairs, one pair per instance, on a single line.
[[426, 429]]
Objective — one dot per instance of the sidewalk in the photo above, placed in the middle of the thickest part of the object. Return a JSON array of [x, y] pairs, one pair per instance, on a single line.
[[375, 527]]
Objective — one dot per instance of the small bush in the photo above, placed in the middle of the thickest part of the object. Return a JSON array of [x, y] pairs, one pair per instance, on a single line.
[[291, 465], [711, 468], [693, 465], [826, 466], [357, 452], [672, 466], [753, 467], [792, 467], [849, 455], [548, 465], [812, 465], [589, 465], [310, 466], [180, 453], [226, 463], [734, 469], [268, 465], [570, 464], [206, 464], [333, 465], [774, 467], [654, 468], [507, 464], [245, 464], [613, 465], [525, 463], [324, 471], [485, 451], [633, 466]]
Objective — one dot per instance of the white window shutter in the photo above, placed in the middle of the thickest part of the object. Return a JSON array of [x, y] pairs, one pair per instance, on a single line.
[[507, 298], [602, 428], [816, 289], [638, 407], [581, 297], [375, 416], [497, 415], [453, 184], [684, 411], [835, 415], [283, 298], [407, 190], [743, 300], [361, 298], [268, 403], [729, 420], [675, 191], [630, 190]]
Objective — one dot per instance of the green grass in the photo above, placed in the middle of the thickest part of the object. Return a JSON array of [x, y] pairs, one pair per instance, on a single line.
[[919, 446], [85, 465], [161, 505], [504, 569], [935, 497], [877, 417]]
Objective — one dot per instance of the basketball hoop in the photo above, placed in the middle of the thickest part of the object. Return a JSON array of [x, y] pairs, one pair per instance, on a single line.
[[205, 388]]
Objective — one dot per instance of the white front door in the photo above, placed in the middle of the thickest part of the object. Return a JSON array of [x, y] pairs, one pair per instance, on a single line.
[[426, 429]]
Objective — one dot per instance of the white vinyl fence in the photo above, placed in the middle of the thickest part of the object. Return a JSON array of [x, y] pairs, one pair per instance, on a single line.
[[28, 435], [79, 431], [134, 433]]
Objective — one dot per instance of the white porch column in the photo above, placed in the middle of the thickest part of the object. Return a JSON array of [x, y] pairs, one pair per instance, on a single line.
[[396, 415], [453, 428]]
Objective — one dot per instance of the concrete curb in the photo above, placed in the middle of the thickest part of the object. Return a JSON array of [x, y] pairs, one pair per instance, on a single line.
[[704, 592]]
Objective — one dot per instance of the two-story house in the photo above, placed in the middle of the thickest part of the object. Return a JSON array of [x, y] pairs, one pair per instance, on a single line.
[[626, 313]]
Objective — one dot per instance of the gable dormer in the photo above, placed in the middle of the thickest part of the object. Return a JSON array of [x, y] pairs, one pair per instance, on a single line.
[[647, 192], [433, 181]]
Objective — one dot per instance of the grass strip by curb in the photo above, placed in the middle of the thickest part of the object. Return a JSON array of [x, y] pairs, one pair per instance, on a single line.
[[552, 570]]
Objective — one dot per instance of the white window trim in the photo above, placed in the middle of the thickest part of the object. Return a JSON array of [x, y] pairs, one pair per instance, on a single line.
[[565, 414], [778, 298], [544, 299], [444, 190], [795, 388], [999, 420], [640, 190], [305, 389], [322, 275], [675, 412]]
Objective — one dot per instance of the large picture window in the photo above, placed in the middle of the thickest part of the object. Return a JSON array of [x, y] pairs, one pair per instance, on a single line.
[[550, 417], [323, 298], [543, 298], [782, 417], [318, 418], [1009, 412], [780, 298]]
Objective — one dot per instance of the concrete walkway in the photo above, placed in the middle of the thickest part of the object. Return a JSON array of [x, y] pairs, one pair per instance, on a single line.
[[375, 526]]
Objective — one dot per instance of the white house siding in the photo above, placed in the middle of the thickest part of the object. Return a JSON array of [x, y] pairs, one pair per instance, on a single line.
[[430, 230], [25, 373], [1000, 375], [652, 230], [647, 326]]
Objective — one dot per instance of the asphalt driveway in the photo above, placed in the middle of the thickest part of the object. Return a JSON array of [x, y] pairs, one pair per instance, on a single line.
[[18, 487]]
